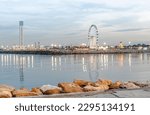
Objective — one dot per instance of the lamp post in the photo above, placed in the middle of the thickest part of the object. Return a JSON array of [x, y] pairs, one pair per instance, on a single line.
[[129, 44], [104, 43]]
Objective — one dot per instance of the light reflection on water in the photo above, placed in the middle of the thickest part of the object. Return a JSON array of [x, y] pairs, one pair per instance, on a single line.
[[36, 70]]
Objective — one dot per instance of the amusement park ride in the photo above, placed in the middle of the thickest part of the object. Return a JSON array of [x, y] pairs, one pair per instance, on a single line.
[[93, 37]]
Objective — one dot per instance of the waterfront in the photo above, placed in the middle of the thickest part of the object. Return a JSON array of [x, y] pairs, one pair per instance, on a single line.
[[36, 70]]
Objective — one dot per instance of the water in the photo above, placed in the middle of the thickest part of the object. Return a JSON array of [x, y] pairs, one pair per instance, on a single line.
[[36, 70]]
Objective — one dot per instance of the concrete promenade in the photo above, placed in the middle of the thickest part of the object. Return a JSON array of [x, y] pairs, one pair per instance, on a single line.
[[118, 93]]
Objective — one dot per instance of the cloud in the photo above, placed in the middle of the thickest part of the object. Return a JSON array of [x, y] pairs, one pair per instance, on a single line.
[[132, 29], [8, 27], [69, 20]]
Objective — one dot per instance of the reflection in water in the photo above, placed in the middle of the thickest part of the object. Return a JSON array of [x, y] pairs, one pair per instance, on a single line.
[[56, 63], [21, 73], [88, 62], [9, 60], [141, 57], [129, 60], [90, 65], [120, 58], [93, 64], [148, 57], [84, 67], [19, 62]]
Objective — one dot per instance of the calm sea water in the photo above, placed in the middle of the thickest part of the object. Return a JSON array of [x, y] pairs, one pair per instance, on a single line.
[[36, 70]]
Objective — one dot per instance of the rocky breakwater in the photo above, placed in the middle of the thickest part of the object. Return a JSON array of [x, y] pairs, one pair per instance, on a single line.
[[70, 87]]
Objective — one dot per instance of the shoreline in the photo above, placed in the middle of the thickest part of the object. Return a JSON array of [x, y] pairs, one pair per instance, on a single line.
[[125, 93], [71, 52], [81, 89]]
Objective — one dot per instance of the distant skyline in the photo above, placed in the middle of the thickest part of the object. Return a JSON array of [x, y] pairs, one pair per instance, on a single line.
[[67, 22]]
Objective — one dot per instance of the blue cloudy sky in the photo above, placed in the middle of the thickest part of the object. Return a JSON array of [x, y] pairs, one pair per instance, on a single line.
[[67, 21]]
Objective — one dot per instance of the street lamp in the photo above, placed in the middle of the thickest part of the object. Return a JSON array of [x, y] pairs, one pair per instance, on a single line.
[[104, 43], [129, 44]]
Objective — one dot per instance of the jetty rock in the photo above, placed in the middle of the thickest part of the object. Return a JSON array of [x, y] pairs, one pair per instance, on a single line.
[[37, 90], [141, 83], [103, 82], [53, 91], [23, 93], [92, 88], [5, 94], [48, 87], [115, 85], [70, 87], [25, 89], [83, 83], [129, 85], [4, 87]]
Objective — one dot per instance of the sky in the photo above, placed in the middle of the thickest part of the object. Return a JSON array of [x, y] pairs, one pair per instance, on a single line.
[[67, 22]]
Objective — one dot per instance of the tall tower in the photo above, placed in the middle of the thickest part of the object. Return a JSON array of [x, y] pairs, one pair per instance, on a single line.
[[20, 33]]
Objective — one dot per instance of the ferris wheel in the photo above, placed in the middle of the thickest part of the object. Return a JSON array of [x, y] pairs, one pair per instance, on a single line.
[[96, 34]]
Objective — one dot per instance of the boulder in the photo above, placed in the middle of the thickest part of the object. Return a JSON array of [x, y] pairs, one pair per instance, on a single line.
[[25, 89], [37, 90], [115, 85], [47, 87], [4, 87], [129, 85], [103, 82], [53, 91], [103, 87], [140, 84], [82, 83], [92, 88], [89, 88], [22, 93], [70, 87], [5, 94]]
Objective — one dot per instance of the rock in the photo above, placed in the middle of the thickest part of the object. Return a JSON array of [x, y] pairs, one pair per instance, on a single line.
[[140, 84], [22, 93], [6, 88], [5, 94], [115, 85], [103, 82], [25, 89], [129, 85], [92, 88], [53, 91], [104, 87], [82, 83], [47, 87], [89, 88], [70, 87], [37, 90]]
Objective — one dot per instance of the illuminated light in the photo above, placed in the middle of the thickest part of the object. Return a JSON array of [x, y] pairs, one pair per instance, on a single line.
[[52, 45], [2, 59], [60, 61], [83, 44], [83, 61], [32, 61], [59, 45], [129, 43], [130, 61]]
